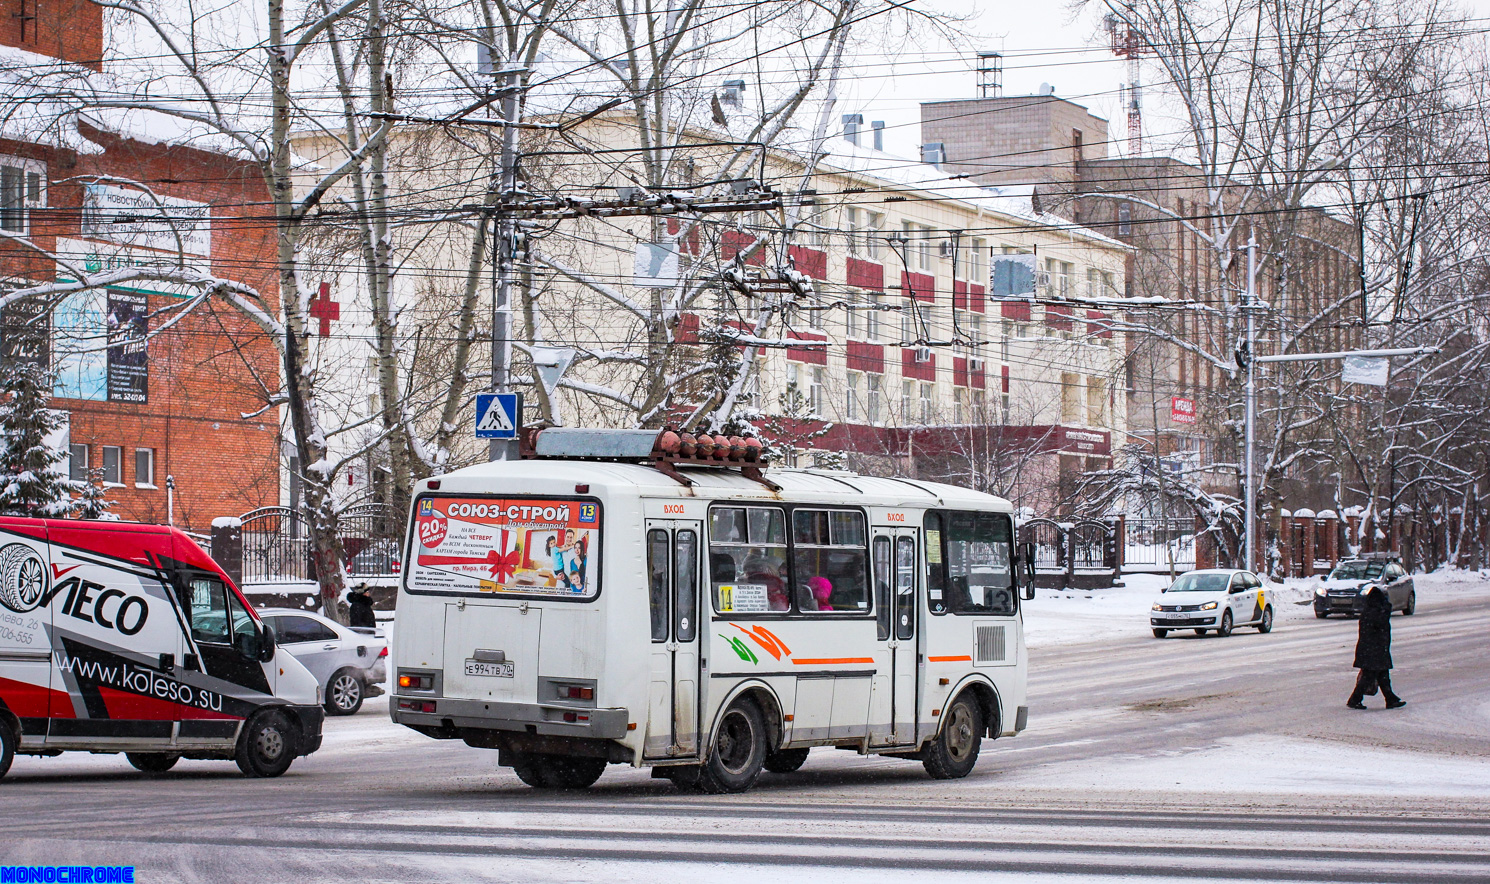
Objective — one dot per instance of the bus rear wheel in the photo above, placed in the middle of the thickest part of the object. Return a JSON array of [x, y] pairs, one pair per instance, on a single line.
[[739, 751], [953, 752], [558, 771], [786, 760]]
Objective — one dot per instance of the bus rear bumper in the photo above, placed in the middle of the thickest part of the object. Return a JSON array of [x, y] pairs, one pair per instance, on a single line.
[[449, 717]]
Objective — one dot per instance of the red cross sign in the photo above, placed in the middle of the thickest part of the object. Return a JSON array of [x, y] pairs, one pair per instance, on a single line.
[[325, 309]]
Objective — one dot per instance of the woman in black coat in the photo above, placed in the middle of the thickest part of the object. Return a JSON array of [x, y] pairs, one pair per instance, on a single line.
[[360, 603], [1373, 652]]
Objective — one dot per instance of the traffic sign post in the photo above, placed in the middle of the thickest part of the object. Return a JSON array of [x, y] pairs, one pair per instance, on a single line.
[[498, 415]]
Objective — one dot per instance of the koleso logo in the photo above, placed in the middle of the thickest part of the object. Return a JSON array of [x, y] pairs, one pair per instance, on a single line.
[[23, 578]]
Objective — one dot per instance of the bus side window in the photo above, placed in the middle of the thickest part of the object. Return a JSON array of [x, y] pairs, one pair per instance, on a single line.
[[905, 588], [883, 574], [657, 564], [747, 560], [936, 567], [830, 561], [685, 578]]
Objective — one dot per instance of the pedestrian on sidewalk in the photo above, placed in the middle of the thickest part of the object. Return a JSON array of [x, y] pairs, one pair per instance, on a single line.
[[361, 609], [1373, 652]]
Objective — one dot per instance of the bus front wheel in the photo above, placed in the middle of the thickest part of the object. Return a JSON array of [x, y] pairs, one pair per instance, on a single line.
[[739, 751], [954, 751]]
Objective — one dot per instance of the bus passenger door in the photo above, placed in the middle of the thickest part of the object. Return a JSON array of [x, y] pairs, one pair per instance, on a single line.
[[895, 561], [673, 573]]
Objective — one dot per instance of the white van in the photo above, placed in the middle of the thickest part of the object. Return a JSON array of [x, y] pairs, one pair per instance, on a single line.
[[123, 637], [611, 601]]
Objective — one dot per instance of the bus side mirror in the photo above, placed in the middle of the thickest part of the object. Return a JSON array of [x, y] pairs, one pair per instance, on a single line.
[[1024, 569]]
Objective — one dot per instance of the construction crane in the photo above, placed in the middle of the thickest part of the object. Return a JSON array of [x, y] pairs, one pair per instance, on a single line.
[[1127, 42]]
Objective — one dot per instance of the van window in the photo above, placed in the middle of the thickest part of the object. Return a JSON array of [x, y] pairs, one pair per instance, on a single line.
[[209, 611], [747, 559], [831, 556], [968, 563]]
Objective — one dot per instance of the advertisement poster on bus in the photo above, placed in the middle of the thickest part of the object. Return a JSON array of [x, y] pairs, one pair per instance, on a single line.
[[507, 545]]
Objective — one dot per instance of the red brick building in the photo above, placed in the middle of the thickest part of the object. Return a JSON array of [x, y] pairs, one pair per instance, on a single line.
[[152, 390]]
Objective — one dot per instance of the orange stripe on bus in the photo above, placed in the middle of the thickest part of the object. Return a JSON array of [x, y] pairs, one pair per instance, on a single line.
[[819, 661], [962, 658]]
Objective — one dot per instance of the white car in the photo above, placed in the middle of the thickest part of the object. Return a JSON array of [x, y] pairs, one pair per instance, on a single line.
[[351, 664], [1219, 599]]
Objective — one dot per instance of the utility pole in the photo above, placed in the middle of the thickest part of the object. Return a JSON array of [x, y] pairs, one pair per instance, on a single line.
[[503, 253], [1249, 495]]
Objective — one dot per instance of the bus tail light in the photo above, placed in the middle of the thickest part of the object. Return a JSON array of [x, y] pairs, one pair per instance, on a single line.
[[416, 682], [417, 705]]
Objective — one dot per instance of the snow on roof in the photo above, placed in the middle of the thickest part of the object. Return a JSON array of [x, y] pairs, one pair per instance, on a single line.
[[1014, 202], [51, 102]]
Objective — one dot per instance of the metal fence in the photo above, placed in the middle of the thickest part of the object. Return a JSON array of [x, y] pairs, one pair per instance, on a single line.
[[1158, 544], [276, 544]]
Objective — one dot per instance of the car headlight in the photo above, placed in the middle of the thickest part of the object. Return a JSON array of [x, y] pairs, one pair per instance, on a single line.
[[1365, 589], [1157, 607], [1320, 590], [1209, 606]]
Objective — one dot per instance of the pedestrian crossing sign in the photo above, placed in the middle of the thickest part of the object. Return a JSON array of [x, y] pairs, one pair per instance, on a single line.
[[498, 415]]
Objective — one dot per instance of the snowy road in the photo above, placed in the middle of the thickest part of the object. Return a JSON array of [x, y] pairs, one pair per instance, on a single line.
[[1175, 760]]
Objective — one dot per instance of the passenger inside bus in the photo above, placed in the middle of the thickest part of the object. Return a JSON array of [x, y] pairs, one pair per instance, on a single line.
[[765, 571], [819, 593]]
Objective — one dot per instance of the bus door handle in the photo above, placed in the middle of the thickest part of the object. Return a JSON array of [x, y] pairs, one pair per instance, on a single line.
[[892, 644], [670, 645]]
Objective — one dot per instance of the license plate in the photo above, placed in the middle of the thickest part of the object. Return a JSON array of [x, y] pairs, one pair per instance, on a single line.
[[498, 670]]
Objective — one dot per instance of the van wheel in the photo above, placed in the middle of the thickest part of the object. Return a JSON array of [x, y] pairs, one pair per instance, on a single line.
[[7, 747], [152, 762], [344, 693], [558, 771], [267, 745], [786, 760], [953, 752], [739, 751]]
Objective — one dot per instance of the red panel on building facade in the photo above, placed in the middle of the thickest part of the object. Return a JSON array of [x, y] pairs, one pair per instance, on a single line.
[[866, 274], [815, 355], [966, 297], [687, 330], [733, 242], [959, 371], [866, 357], [812, 262], [1004, 378], [909, 367], [1095, 324], [1019, 311], [921, 286], [1058, 317], [689, 243]]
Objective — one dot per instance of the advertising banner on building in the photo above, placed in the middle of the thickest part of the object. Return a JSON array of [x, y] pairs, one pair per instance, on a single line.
[[1182, 410], [26, 333], [507, 545], [127, 322], [136, 218]]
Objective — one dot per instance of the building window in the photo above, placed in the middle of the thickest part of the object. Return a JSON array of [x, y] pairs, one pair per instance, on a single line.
[[865, 230], [918, 245], [851, 404], [908, 333], [1070, 399], [851, 323], [907, 400], [1096, 401], [979, 415], [872, 407], [20, 190], [144, 467], [77, 463], [873, 328], [815, 317], [970, 261], [112, 455], [928, 398], [815, 392], [959, 406], [975, 329]]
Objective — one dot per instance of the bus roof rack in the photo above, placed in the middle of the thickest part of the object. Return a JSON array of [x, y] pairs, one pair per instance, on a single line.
[[664, 450]]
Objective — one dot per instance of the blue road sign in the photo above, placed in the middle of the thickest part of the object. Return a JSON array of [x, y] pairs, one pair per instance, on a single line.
[[497, 415]]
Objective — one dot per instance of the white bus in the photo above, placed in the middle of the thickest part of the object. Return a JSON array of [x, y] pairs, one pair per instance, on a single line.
[[704, 617]]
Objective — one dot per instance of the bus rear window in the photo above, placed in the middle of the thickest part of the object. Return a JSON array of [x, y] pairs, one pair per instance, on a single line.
[[526, 546]]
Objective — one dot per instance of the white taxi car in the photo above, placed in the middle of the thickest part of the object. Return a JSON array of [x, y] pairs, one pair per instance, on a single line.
[[1214, 599]]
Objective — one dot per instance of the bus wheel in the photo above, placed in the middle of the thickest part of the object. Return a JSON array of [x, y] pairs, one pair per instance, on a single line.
[[152, 762], [557, 771], [953, 752], [739, 751], [786, 760], [267, 745], [7, 747]]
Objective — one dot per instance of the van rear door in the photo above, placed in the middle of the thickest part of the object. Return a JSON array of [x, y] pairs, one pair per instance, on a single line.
[[26, 677]]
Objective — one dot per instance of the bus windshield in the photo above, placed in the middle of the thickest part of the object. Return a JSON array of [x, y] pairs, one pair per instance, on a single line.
[[968, 556]]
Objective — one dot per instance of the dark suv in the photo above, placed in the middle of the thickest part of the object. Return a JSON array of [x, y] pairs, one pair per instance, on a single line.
[[1341, 592]]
